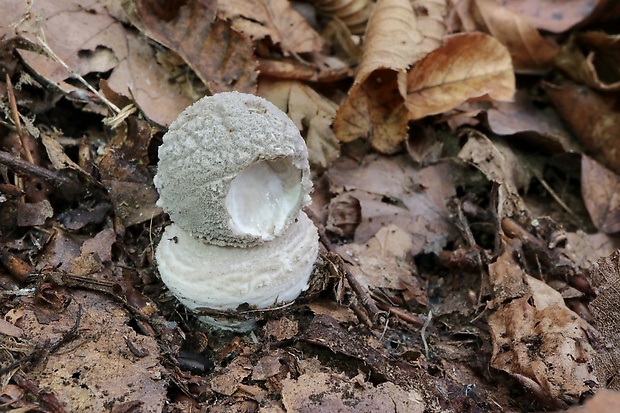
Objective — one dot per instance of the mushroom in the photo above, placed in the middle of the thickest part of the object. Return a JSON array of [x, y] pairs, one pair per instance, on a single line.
[[233, 175]]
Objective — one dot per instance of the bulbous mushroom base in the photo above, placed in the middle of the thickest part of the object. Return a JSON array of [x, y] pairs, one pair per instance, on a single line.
[[218, 278]]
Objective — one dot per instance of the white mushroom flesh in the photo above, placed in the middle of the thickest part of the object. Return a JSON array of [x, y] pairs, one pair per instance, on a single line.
[[262, 198]]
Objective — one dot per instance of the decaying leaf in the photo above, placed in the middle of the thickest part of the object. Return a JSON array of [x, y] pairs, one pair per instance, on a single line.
[[598, 66], [331, 392], [551, 15], [499, 164], [530, 52], [539, 341], [84, 374], [353, 13], [312, 113], [601, 193], [467, 66], [593, 118], [221, 57], [605, 279], [374, 108], [275, 19], [393, 191], [384, 261]]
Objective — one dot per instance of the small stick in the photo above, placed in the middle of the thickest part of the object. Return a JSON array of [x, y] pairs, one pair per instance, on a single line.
[[359, 290], [402, 314], [65, 184]]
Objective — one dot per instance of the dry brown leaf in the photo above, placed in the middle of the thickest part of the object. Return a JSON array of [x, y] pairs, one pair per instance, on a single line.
[[605, 279], [393, 191], [275, 19], [331, 392], [594, 119], [312, 113], [530, 52], [592, 58], [430, 17], [523, 117], [353, 13], [601, 193], [558, 16], [86, 39], [84, 374], [383, 261], [537, 339], [470, 65], [500, 165], [221, 57], [374, 108]]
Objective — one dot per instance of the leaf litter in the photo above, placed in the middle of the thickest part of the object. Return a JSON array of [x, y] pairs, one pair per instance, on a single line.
[[465, 192]]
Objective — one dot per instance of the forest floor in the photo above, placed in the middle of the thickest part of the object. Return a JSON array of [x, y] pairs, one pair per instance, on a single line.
[[465, 161]]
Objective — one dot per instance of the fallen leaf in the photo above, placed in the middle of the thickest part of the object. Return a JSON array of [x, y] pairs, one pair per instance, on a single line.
[[221, 57], [604, 277], [311, 112], [353, 13], [592, 58], [84, 373], [594, 119], [542, 127], [499, 164], [393, 191], [552, 15], [601, 193], [374, 108], [530, 52], [383, 261], [148, 83], [543, 344], [604, 401], [275, 19], [467, 66], [331, 392]]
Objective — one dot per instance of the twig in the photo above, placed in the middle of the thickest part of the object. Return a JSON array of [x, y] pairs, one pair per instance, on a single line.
[[67, 185], [46, 397], [402, 314], [360, 291]]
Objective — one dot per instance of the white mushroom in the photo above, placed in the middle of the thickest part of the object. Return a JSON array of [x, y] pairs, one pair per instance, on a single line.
[[233, 175]]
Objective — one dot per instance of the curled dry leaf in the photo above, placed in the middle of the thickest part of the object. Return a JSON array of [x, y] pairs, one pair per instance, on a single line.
[[275, 19], [470, 65], [221, 57], [353, 13], [374, 108], [530, 52], [599, 66], [594, 119], [605, 279], [601, 193], [499, 164]]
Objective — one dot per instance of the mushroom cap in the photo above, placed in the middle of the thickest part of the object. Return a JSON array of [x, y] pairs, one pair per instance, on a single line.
[[233, 170], [203, 275]]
